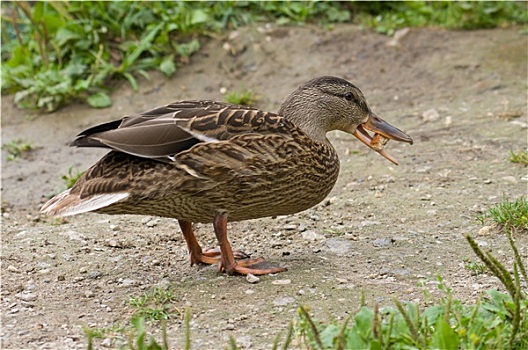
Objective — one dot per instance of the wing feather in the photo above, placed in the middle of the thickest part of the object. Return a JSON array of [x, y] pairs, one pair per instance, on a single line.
[[165, 131]]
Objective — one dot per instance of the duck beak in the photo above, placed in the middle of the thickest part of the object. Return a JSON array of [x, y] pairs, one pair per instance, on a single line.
[[383, 132]]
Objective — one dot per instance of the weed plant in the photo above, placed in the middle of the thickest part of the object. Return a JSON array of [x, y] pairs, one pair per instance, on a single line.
[[520, 157], [509, 214], [16, 149], [244, 97], [57, 52]]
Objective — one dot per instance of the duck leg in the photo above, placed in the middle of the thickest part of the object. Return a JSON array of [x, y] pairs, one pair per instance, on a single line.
[[197, 255], [256, 267]]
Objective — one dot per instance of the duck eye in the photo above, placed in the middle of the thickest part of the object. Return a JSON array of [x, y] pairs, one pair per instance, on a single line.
[[349, 96]]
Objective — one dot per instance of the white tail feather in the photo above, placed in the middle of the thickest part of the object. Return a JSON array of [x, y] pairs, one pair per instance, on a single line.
[[57, 207]]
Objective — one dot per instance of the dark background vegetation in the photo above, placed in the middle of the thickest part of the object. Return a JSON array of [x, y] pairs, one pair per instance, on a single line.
[[56, 53]]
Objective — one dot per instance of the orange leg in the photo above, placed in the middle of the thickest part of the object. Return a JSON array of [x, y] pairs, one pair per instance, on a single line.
[[228, 263], [195, 250], [197, 255]]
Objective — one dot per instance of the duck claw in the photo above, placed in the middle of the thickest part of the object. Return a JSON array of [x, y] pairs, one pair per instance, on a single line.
[[255, 266], [215, 253]]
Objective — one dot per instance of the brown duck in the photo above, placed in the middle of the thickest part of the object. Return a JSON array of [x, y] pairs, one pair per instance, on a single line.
[[211, 162]]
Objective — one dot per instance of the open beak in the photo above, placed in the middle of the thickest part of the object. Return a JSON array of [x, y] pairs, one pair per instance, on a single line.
[[383, 132]]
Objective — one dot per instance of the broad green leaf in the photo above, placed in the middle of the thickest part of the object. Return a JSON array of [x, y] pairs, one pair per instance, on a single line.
[[363, 321], [199, 16], [64, 35], [167, 66], [444, 336], [328, 335], [99, 100], [38, 11], [143, 45], [355, 341]]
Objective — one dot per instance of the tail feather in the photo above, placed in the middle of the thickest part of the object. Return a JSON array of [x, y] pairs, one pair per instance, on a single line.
[[67, 204]]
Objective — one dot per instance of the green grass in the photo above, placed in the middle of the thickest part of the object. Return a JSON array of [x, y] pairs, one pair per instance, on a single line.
[[244, 97], [71, 178], [509, 214], [386, 17], [56, 53], [154, 305], [475, 267], [16, 149], [520, 157]]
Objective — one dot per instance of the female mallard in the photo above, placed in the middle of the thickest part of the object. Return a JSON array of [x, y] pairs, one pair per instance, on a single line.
[[205, 161]]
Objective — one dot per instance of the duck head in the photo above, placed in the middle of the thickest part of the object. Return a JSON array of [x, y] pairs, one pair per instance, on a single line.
[[330, 103]]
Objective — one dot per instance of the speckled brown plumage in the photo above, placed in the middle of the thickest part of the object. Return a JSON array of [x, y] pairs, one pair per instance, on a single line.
[[206, 161]]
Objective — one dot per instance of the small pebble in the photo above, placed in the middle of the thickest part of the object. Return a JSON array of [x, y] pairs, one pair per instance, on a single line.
[[311, 236], [152, 223], [383, 242], [283, 301], [484, 231], [128, 282], [94, 274], [25, 296], [250, 278], [281, 282], [482, 244], [89, 294], [430, 115], [107, 343], [11, 268]]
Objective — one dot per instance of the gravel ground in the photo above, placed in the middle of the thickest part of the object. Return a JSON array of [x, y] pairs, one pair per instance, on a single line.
[[385, 230]]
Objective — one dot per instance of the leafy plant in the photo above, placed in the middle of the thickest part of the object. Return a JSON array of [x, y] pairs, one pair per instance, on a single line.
[[71, 178], [137, 335], [496, 321], [386, 17], [245, 97], [58, 52], [520, 157], [155, 304], [54, 53], [509, 214], [16, 148], [475, 267]]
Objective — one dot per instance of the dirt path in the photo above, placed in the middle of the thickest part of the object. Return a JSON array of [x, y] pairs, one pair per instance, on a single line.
[[383, 229]]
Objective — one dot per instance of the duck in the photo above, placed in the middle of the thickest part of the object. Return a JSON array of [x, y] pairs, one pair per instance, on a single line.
[[202, 161]]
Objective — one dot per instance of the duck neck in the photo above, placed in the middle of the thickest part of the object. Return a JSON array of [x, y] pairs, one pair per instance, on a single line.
[[300, 114]]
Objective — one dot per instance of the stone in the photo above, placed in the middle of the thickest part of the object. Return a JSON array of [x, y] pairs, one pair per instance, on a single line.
[[337, 246], [283, 301], [484, 231], [281, 282], [431, 115], [250, 278], [384, 242], [311, 236], [26, 296], [11, 268]]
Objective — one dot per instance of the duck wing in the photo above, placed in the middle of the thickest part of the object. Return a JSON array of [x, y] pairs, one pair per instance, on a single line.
[[165, 131]]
